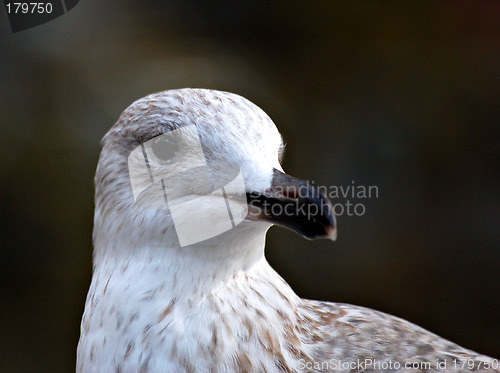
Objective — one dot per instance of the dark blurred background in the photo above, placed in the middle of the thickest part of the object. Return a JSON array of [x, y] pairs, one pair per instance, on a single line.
[[404, 96]]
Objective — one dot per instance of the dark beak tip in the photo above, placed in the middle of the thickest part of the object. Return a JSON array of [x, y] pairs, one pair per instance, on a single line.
[[331, 233], [309, 214]]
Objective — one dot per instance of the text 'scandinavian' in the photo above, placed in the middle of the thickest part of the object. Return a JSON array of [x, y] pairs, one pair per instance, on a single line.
[[180, 281]]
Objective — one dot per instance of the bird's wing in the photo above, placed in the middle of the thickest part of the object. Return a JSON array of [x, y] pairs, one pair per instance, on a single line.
[[352, 338]]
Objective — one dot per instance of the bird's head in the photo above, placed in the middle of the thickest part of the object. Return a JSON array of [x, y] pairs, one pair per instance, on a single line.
[[192, 166]]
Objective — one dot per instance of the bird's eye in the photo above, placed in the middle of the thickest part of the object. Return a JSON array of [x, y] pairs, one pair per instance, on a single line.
[[165, 147]]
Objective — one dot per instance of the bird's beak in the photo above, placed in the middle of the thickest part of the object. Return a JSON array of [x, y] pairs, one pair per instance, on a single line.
[[295, 204]]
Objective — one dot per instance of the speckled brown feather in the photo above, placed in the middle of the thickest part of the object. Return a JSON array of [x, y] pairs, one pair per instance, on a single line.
[[343, 333]]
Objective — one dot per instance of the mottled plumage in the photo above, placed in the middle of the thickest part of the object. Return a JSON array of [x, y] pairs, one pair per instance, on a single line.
[[217, 306]]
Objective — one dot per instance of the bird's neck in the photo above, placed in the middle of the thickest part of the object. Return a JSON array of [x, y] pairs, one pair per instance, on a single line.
[[181, 306], [193, 273], [184, 272]]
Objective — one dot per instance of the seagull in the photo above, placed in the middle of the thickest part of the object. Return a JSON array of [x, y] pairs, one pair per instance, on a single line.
[[180, 281]]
